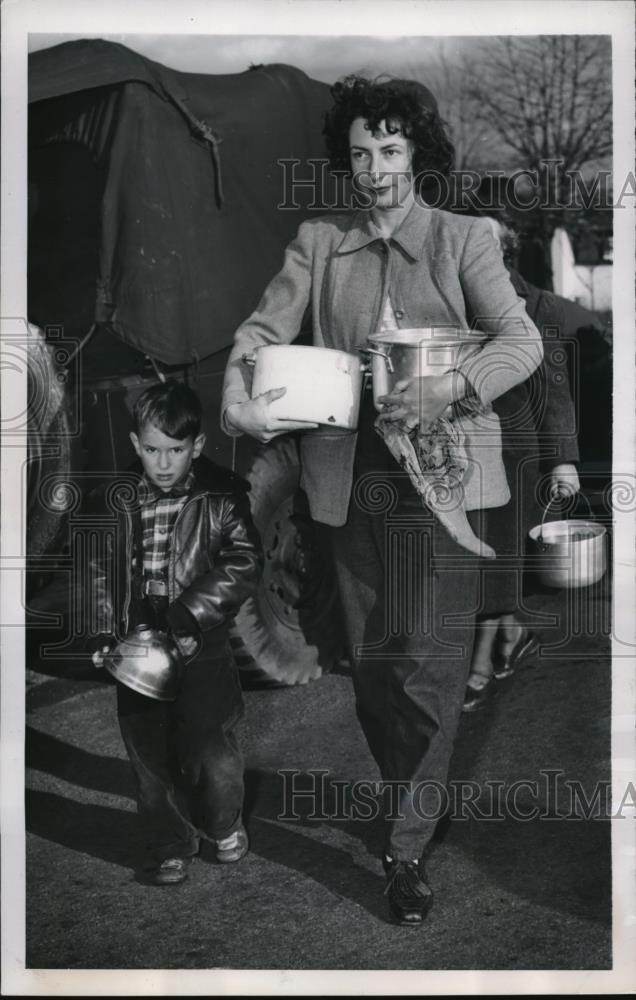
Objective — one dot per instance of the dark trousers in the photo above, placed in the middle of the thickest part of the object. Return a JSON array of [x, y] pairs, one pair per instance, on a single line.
[[505, 581], [409, 595], [185, 756]]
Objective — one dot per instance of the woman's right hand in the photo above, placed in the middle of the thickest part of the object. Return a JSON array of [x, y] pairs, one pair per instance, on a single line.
[[254, 417]]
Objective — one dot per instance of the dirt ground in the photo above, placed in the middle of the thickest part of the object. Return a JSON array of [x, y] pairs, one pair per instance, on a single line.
[[527, 889]]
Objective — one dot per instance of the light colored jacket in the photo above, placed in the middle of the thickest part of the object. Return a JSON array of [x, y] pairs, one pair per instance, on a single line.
[[439, 270]]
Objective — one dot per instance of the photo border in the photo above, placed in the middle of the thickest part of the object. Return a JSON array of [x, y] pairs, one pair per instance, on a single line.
[[337, 17]]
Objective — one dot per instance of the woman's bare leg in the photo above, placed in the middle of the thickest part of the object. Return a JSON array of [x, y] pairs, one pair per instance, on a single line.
[[509, 633], [481, 666]]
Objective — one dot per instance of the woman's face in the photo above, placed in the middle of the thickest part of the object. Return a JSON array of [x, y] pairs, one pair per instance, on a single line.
[[381, 163]]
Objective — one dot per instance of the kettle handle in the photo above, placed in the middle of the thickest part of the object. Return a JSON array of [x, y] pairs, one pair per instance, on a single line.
[[380, 354]]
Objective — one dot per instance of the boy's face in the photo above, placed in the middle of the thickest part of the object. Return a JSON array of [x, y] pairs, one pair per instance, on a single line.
[[166, 460]]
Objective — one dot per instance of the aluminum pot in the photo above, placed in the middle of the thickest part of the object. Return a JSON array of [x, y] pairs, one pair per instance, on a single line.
[[569, 554], [323, 385], [146, 662], [410, 353]]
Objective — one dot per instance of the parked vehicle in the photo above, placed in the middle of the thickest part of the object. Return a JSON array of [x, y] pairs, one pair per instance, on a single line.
[[160, 204]]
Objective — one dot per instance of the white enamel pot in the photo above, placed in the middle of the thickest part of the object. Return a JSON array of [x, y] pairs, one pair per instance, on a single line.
[[411, 353], [569, 554], [323, 385]]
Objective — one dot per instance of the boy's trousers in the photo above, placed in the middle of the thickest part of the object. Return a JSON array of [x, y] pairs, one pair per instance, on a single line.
[[185, 756]]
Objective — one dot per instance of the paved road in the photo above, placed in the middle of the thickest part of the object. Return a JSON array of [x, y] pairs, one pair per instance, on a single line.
[[510, 893]]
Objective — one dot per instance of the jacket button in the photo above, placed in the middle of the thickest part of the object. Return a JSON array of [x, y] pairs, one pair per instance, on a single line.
[[399, 314]]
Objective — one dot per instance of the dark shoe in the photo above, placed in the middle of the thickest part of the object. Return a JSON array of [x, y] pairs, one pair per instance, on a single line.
[[409, 894], [232, 848], [477, 698], [170, 872], [505, 666]]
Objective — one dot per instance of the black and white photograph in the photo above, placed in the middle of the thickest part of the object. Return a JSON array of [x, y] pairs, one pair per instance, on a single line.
[[318, 494]]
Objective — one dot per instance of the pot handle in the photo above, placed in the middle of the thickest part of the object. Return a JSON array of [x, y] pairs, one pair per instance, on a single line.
[[249, 359], [380, 354], [554, 500]]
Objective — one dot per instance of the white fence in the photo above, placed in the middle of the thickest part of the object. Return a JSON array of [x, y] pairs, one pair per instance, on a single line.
[[590, 285]]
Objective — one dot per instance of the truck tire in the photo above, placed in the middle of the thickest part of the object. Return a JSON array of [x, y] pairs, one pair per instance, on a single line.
[[49, 491], [289, 632]]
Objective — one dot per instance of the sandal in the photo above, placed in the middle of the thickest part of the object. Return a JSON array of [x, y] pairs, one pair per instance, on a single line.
[[477, 698], [525, 646]]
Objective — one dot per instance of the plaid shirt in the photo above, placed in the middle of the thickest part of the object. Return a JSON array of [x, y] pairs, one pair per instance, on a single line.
[[159, 511]]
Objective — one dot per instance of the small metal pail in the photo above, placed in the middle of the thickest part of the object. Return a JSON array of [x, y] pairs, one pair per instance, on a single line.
[[569, 554], [147, 663]]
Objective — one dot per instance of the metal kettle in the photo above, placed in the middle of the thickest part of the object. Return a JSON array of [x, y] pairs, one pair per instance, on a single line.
[[148, 662]]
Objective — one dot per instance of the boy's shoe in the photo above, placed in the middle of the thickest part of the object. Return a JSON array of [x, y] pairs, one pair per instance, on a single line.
[[232, 848], [170, 872], [409, 895]]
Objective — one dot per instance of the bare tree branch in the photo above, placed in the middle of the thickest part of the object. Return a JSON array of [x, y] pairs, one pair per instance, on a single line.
[[549, 97]]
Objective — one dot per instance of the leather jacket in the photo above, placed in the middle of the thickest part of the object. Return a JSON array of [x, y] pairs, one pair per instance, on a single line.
[[215, 552]]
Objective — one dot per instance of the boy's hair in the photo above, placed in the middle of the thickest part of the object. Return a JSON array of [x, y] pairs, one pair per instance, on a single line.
[[405, 105], [172, 407]]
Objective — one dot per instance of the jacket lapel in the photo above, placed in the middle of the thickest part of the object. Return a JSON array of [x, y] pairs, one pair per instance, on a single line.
[[411, 236]]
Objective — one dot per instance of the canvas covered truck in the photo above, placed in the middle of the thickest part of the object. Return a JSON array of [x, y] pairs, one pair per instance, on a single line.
[[160, 204]]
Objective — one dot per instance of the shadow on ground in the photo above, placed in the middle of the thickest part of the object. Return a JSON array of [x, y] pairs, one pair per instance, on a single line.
[[530, 859]]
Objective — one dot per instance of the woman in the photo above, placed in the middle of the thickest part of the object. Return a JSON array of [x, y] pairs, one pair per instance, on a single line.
[[396, 262], [539, 445]]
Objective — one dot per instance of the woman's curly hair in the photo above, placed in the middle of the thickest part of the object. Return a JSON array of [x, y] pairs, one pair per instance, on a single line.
[[405, 105]]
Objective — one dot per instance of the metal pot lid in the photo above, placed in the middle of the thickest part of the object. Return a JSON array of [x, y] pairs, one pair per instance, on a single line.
[[438, 335]]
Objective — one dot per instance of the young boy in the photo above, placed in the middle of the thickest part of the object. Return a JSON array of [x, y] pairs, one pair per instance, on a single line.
[[184, 557]]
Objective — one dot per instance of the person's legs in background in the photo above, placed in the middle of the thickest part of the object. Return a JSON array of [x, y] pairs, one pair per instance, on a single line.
[[501, 640], [500, 646]]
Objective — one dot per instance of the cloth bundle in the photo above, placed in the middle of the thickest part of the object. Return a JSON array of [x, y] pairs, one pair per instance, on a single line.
[[436, 460]]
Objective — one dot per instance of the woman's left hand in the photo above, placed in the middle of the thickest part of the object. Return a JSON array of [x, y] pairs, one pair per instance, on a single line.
[[418, 400], [564, 481]]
